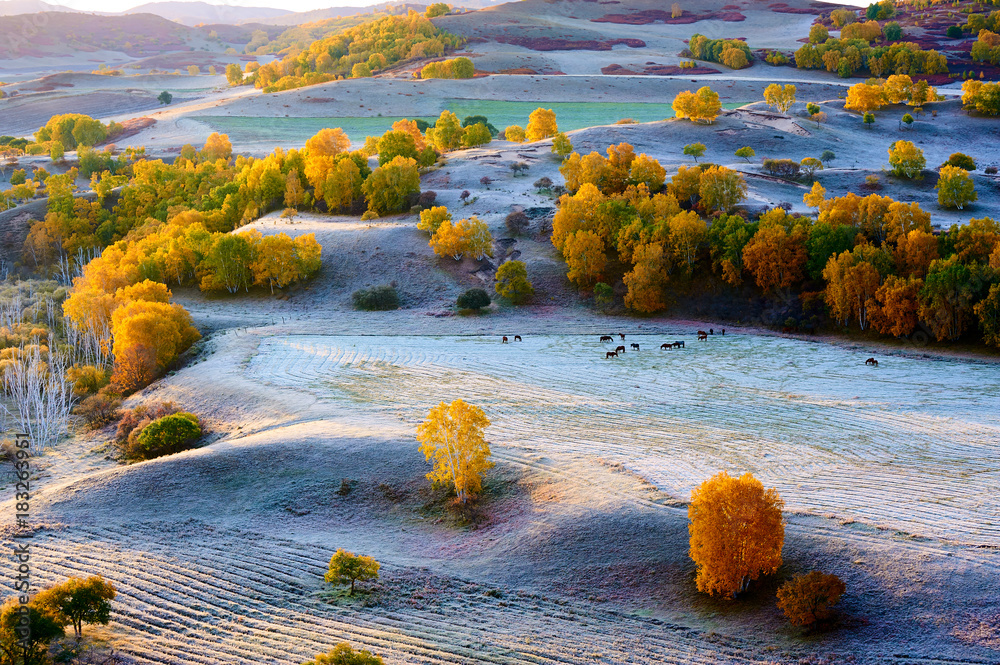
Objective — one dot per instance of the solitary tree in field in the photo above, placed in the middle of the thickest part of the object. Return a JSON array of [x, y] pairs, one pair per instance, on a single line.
[[737, 533], [906, 159], [695, 150], [26, 647], [513, 283], [343, 654], [452, 436], [807, 599], [78, 601], [746, 152], [541, 125], [780, 97], [349, 567]]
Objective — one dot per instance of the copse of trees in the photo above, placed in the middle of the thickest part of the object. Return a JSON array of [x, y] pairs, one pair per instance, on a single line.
[[456, 68], [732, 53], [876, 261], [848, 56], [76, 129], [982, 97], [876, 93], [358, 51]]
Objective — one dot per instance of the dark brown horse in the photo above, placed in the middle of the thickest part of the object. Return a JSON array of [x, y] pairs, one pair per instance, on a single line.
[[610, 354], [504, 339], [702, 335], [872, 362], [622, 335], [517, 338], [678, 345], [620, 348], [666, 346], [607, 338]]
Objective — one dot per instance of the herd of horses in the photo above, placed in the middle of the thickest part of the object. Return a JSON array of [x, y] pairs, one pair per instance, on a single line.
[[679, 344]]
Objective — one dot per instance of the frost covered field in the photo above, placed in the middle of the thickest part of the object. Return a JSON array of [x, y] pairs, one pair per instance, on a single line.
[[909, 445]]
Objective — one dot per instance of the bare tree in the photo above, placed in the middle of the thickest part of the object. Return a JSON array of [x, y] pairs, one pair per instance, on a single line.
[[41, 394]]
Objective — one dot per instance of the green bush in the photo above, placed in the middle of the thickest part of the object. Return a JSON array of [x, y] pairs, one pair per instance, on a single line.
[[165, 436], [962, 161], [473, 299], [376, 299]]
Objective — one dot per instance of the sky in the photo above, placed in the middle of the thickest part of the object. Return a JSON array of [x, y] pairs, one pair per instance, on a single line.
[[290, 5]]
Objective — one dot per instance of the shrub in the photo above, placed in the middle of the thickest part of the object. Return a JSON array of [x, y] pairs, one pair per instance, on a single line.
[[473, 299], [543, 183], [603, 294], [990, 170], [343, 654], [165, 97], [99, 410], [165, 436], [512, 282], [87, 379], [962, 161], [517, 222], [376, 299], [827, 156], [427, 199], [808, 599], [785, 168], [954, 32], [137, 418]]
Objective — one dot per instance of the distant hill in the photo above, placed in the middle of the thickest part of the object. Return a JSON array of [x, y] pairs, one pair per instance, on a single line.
[[298, 18], [63, 33], [14, 7], [194, 13]]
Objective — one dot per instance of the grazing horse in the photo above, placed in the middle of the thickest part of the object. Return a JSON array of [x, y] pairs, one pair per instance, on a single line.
[[711, 331], [678, 345], [723, 331], [702, 335], [622, 335], [611, 354], [517, 338], [635, 346], [666, 346], [504, 339], [607, 338], [872, 362], [620, 348]]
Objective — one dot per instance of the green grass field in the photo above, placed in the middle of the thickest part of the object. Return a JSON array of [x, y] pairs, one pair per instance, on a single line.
[[570, 116]]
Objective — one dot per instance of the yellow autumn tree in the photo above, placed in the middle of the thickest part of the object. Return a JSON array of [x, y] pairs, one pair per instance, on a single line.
[[703, 105], [585, 257], [328, 142], [646, 280], [737, 533], [646, 170], [541, 125], [814, 197], [865, 98], [148, 336], [721, 188], [780, 97], [432, 218], [452, 437], [775, 257]]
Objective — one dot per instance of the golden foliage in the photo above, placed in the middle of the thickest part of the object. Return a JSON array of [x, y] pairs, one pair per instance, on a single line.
[[328, 142], [737, 533], [585, 257], [780, 97], [703, 105], [807, 599], [452, 436], [541, 125], [775, 257], [646, 280]]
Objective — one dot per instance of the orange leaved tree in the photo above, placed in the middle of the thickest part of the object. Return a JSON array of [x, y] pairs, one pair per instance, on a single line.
[[737, 532]]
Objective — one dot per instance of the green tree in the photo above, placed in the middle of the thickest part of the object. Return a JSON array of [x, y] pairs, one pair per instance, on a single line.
[[234, 74], [868, 119], [447, 132], [695, 150], [946, 301], [474, 299], [30, 646], [436, 9], [78, 601], [988, 313], [955, 187], [561, 144], [746, 152], [360, 70], [389, 188], [394, 144], [56, 151], [347, 567], [343, 654], [512, 282], [476, 135], [89, 132]]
